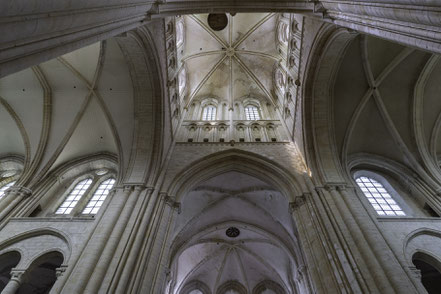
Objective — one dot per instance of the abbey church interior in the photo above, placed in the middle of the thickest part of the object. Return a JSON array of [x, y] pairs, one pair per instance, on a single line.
[[220, 146]]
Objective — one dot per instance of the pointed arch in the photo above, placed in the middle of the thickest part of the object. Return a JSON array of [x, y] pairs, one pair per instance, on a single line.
[[235, 160]]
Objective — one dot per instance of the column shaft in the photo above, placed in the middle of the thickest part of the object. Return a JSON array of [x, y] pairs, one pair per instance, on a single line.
[[111, 244]]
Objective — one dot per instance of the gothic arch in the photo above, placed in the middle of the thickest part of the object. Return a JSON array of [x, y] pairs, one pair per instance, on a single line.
[[322, 67], [235, 160], [232, 285], [141, 54]]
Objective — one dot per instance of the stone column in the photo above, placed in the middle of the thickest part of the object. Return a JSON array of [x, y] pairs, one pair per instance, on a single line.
[[376, 278], [17, 277], [314, 255], [106, 256], [393, 271], [230, 117], [131, 255], [83, 270], [144, 278], [155, 275]]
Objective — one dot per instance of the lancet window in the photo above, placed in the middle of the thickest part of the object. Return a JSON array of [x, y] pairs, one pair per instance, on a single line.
[[209, 113], [379, 197], [252, 112]]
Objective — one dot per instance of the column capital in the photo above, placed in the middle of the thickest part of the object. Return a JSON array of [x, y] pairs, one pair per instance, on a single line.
[[335, 186], [300, 273], [298, 202], [20, 191], [60, 270], [18, 274], [171, 201], [415, 272]]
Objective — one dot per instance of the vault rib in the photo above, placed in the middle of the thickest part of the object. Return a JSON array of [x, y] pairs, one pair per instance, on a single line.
[[254, 78], [208, 30], [253, 28], [204, 80], [260, 54], [202, 54]]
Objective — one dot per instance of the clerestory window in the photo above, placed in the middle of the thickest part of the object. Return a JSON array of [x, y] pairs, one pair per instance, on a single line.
[[209, 113], [379, 197], [4, 188], [252, 112], [74, 196], [98, 197]]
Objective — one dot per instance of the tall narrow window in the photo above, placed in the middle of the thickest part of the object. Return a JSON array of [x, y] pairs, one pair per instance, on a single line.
[[209, 113], [98, 197], [379, 197], [4, 188], [252, 112], [74, 196]]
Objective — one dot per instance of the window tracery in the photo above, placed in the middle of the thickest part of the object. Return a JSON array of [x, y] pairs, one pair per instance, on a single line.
[[379, 197]]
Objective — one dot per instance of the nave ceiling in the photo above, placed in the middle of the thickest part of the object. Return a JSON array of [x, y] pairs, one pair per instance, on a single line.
[[76, 105], [264, 250], [386, 103], [233, 63]]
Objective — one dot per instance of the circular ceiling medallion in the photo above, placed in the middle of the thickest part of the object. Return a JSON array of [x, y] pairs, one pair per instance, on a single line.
[[232, 232], [217, 21]]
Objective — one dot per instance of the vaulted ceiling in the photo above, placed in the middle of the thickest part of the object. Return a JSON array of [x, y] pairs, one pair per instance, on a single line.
[[72, 106], [387, 103], [234, 62], [264, 250]]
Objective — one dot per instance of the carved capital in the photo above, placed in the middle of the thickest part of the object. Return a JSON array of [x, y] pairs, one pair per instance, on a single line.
[[300, 273], [18, 275], [19, 191], [60, 270], [335, 186], [415, 272], [298, 202], [169, 200]]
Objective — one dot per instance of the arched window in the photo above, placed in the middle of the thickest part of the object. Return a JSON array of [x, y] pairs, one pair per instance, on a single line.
[[252, 112], [379, 197], [209, 113], [98, 197], [74, 196], [5, 187]]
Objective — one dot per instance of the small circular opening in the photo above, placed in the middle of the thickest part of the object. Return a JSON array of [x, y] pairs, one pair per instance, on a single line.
[[232, 232], [217, 21]]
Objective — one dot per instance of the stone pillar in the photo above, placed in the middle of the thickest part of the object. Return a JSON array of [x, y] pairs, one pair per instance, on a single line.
[[83, 270], [230, 117], [314, 255], [393, 270], [131, 255], [106, 256], [369, 266], [17, 277], [151, 258]]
